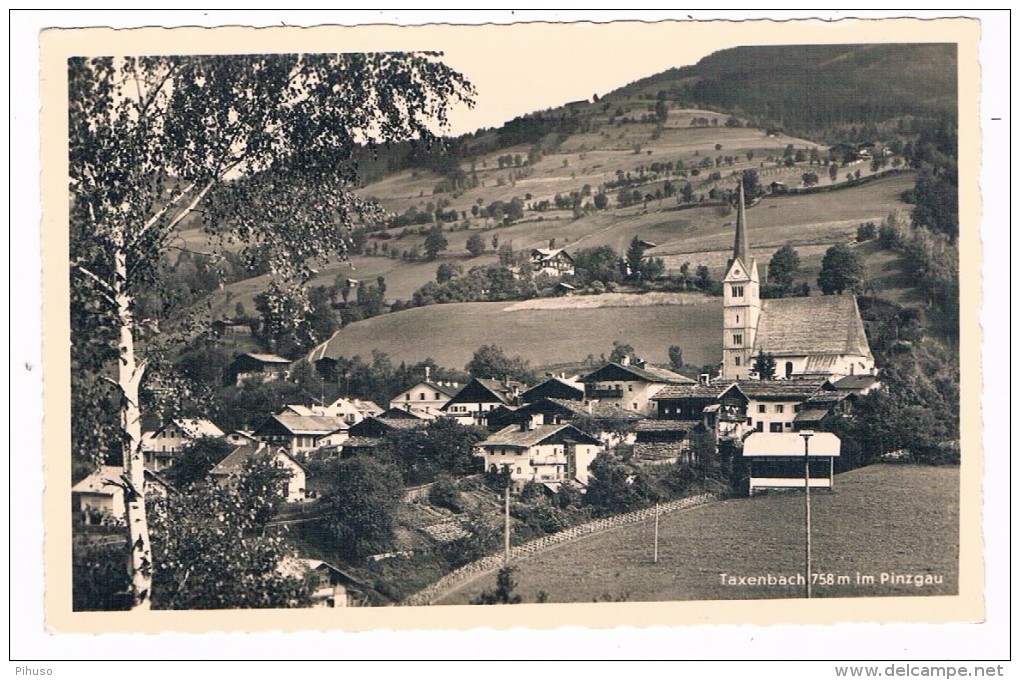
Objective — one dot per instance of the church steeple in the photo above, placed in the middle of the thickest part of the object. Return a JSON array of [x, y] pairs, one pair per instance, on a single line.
[[740, 249]]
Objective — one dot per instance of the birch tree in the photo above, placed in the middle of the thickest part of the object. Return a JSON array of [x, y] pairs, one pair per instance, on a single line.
[[257, 149]]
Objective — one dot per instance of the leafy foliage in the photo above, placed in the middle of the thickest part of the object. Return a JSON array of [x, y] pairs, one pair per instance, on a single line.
[[194, 461], [783, 266], [842, 271], [504, 592], [490, 361], [363, 506], [765, 366]]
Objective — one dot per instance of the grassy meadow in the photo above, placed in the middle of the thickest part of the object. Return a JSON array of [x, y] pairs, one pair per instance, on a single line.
[[900, 519]]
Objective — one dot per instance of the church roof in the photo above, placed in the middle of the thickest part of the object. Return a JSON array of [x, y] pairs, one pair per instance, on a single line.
[[829, 325], [741, 251]]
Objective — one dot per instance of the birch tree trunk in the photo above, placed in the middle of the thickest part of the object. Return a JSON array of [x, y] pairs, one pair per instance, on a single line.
[[129, 377]]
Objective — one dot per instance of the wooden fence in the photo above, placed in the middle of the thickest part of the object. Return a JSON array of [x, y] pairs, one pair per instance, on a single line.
[[434, 591]]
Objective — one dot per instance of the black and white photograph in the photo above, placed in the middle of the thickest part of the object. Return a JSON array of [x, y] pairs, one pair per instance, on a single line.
[[437, 328]]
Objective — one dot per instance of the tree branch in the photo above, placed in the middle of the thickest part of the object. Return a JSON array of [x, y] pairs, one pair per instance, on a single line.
[[106, 290]]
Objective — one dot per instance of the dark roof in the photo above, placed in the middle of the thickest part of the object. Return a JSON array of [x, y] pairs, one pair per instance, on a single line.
[[773, 389], [486, 390], [649, 425], [595, 409], [360, 442], [827, 324], [554, 387], [399, 414], [235, 460], [855, 382], [514, 435], [811, 415], [696, 391], [647, 373]]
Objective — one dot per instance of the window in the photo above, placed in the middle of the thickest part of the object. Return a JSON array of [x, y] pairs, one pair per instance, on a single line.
[[421, 396], [407, 397], [738, 339], [736, 361], [634, 406], [437, 396], [761, 408], [518, 471], [630, 388], [738, 318], [775, 427], [779, 408], [760, 426], [737, 291]]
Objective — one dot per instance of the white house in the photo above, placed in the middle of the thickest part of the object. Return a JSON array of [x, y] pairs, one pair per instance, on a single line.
[[552, 262], [540, 453], [98, 499], [778, 460], [630, 386], [159, 446], [235, 461], [302, 433], [428, 396]]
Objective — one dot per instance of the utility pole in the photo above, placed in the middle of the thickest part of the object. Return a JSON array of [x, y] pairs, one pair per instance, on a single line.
[[807, 514]]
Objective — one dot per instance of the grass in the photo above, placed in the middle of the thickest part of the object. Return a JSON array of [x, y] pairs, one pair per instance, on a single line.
[[450, 334], [899, 519]]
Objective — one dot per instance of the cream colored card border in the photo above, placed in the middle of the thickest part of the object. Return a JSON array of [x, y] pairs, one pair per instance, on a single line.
[[58, 45]]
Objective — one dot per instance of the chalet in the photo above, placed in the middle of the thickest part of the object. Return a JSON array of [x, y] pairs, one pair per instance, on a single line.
[[98, 499], [629, 386], [160, 446], [301, 433], [552, 262], [234, 463], [470, 404], [820, 336], [556, 387], [261, 367], [606, 421], [540, 453], [427, 396]]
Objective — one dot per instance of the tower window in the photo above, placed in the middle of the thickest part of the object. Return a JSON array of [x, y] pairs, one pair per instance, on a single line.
[[736, 361], [738, 318], [738, 339], [737, 291]]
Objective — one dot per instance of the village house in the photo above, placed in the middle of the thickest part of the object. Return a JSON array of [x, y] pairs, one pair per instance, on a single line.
[[556, 387], [663, 441], [160, 446], [607, 422], [630, 385], [233, 465], [540, 453], [471, 404], [301, 433], [351, 411], [552, 262], [819, 336], [252, 366], [777, 461], [427, 396], [331, 586], [98, 499]]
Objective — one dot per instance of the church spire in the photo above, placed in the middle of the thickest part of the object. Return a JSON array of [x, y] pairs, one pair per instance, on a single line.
[[740, 249]]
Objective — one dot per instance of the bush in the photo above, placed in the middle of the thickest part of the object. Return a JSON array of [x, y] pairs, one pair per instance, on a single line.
[[444, 494]]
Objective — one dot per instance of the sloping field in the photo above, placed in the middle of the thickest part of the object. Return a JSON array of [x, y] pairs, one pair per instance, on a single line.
[[883, 519], [450, 334]]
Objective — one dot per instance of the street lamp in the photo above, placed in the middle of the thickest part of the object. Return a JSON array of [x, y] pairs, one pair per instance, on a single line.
[[807, 434]]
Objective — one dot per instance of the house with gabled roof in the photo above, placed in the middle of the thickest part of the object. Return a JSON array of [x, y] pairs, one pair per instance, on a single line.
[[471, 404], [606, 421], [556, 387], [540, 453], [234, 463], [160, 446], [301, 433], [256, 366], [552, 262], [818, 336], [99, 498], [428, 396], [630, 385]]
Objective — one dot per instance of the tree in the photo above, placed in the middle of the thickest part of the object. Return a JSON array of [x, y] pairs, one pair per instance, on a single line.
[[503, 594], [809, 178], [783, 265], [634, 254], [752, 185], [601, 201], [435, 242], [676, 358], [833, 172], [842, 270], [362, 506], [599, 263], [490, 361], [621, 351], [765, 366], [475, 245], [448, 271], [209, 547], [152, 140], [195, 460]]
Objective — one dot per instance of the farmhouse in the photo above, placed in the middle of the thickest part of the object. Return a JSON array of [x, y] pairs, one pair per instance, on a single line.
[[263, 367], [470, 404], [159, 446], [629, 386], [98, 499], [552, 262], [540, 453], [234, 463], [301, 433], [820, 336], [427, 396]]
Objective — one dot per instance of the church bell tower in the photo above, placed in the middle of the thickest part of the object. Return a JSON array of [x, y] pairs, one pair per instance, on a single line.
[[741, 303]]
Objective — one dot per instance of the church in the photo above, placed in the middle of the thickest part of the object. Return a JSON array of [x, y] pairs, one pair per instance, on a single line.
[[810, 337]]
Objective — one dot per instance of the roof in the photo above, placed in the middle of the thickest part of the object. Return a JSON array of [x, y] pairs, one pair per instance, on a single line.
[[649, 425], [299, 424], [96, 482], [647, 373], [267, 358], [791, 444], [236, 459], [360, 442], [548, 253], [595, 409], [449, 389], [740, 249], [513, 435], [855, 382], [811, 415], [827, 324], [774, 389], [197, 427], [695, 391]]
